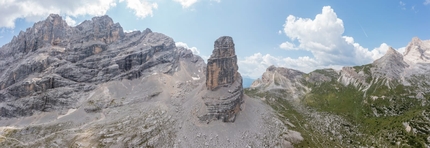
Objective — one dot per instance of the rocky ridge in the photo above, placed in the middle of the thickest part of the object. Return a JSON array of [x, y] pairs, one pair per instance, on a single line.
[[52, 65], [394, 86]]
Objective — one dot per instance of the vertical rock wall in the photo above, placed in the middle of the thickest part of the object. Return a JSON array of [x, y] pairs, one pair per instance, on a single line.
[[223, 82], [222, 65]]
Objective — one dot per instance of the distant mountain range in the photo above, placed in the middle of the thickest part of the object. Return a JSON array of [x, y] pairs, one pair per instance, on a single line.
[[385, 103]]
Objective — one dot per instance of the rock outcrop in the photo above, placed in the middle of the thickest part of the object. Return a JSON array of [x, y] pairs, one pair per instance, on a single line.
[[277, 77], [390, 66], [223, 82], [417, 51], [222, 65]]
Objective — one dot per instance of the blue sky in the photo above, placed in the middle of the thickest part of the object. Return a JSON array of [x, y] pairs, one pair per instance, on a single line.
[[299, 34]]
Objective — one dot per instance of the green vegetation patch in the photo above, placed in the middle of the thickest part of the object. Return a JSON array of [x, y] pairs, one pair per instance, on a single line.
[[380, 112]]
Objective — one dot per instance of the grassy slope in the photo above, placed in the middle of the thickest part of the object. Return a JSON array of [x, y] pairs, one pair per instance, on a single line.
[[394, 107], [287, 112], [380, 120]]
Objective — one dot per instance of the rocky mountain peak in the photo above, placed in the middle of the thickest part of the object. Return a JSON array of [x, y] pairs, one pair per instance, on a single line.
[[223, 48], [415, 41], [278, 78], [50, 31], [391, 51], [390, 65], [54, 17], [103, 19], [271, 68], [390, 56], [417, 51], [54, 64]]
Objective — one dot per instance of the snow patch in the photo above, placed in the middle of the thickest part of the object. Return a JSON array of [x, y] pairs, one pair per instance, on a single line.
[[196, 78]]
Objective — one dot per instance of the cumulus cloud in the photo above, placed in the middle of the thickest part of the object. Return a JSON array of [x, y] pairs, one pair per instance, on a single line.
[[193, 49], [141, 8], [254, 65], [128, 31], [186, 3], [288, 46], [70, 21], [401, 50], [35, 10], [323, 37]]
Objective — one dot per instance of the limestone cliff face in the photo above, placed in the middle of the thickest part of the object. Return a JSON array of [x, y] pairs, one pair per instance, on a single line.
[[51, 65], [222, 65], [223, 82]]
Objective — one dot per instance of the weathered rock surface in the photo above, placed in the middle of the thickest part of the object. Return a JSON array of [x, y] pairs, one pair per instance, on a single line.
[[51, 66], [95, 86], [277, 77], [222, 65], [390, 66], [224, 83], [417, 51]]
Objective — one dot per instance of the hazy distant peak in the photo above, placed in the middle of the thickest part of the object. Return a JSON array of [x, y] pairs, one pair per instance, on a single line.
[[391, 50]]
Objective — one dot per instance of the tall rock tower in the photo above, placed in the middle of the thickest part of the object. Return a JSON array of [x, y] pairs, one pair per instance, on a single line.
[[222, 65], [223, 82]]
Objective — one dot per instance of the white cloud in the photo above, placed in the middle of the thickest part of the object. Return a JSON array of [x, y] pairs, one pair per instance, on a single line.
[[254, 66], [279, 32], [142, 8], [379, 51], [401, 50], [218, 1], [186, 3], [402, 5], [193, 49], [35, 10], [70, 21], [205, 57], [323, 37], [128, 31], [288, 46], [426, 2]]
